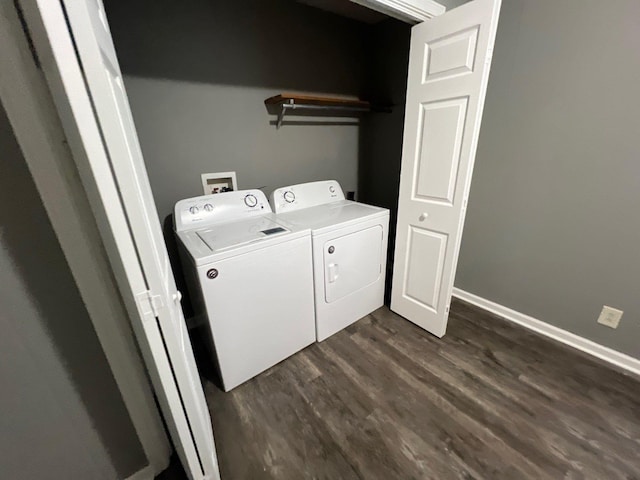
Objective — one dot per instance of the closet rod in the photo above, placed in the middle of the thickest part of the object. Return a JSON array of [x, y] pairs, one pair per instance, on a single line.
[[293, 106]]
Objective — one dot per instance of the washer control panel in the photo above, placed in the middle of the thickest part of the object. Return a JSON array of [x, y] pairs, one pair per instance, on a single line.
[[219, 207], [305, 195]]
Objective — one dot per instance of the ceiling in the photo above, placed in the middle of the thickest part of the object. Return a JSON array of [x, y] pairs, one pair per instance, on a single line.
[[347, 8]]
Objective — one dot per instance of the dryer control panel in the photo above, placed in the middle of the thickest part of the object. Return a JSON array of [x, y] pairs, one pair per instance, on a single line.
[[220, 207], [305, 195]]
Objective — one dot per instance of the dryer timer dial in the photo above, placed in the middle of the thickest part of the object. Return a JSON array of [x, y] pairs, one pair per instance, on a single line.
[[289, 196]]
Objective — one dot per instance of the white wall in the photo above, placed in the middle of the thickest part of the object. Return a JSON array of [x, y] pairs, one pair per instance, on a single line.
[[381, 135]]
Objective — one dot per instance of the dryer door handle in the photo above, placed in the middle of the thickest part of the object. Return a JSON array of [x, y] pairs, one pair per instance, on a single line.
[[333, 272]]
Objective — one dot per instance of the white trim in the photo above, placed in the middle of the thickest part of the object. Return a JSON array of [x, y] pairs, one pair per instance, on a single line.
[[145, 473], [37, 128], [133, 246], [411, 11], [607, 354]]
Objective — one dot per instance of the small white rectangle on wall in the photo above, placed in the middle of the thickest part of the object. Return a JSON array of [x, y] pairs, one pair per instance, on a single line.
[[610, 317], [219, 182]]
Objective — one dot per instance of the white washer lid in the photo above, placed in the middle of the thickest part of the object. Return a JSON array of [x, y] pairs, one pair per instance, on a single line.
[[236, 234], [234, 238], [331, 215]]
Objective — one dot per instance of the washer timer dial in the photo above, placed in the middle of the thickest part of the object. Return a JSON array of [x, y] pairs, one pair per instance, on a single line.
[[289, 196], [250, 201]]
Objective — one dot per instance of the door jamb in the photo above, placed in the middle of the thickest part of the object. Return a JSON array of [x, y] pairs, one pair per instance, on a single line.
[[409, 11]]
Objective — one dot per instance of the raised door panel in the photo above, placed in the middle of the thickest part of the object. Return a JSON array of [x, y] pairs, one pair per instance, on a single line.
[[450, 55], [424, 265], [440, 138]]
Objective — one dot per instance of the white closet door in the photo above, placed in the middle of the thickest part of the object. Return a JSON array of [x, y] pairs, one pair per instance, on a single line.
[[449, 66], [147, 278]]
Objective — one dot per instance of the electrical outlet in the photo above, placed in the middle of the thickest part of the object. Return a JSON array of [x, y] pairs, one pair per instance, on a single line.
[[610, 317]]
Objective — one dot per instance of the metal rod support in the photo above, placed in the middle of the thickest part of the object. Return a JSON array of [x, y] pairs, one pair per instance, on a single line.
[[293, 106]]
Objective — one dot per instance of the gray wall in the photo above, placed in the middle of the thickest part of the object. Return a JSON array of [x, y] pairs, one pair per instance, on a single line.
[[381, 134], [449, 4], [62, 415], [197, 74], [553, 229]]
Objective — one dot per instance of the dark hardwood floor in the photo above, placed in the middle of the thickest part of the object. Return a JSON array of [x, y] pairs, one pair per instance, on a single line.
[[385, 400]]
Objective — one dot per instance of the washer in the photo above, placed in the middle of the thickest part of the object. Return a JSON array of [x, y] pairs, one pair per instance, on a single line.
[[349, 250], [250, 276]]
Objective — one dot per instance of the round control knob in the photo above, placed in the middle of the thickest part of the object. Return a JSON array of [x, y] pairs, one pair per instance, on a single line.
[[194, 210], [250, 201], [208, 207], [289, 196], [332, 189]]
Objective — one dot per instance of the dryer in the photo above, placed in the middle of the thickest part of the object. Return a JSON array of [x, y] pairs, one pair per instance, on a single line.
[[250, 276], [349, 250]]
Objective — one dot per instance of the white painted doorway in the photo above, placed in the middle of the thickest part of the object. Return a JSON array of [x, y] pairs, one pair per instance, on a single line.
[[74, 45], [449, 65]]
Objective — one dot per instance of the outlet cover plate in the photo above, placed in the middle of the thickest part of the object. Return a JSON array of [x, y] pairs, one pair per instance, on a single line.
[[610, 317]]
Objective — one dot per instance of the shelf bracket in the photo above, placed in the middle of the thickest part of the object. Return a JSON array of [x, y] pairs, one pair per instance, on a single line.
[[283, 109], [341, 106]]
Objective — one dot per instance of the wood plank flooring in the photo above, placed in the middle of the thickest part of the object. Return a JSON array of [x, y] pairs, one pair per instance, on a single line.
[[385, 400]]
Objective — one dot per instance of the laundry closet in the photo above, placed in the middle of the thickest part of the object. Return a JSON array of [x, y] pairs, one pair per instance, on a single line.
[[152, 94], [198, 73]]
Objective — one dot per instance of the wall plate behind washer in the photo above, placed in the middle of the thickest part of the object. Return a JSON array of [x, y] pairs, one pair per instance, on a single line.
[[219, 182]]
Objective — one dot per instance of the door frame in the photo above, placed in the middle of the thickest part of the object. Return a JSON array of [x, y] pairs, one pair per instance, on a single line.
[[38, 130], [409, 11]]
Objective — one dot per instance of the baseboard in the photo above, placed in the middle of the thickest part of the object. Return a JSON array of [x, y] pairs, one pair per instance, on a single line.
[[607, 354], [144, 474]]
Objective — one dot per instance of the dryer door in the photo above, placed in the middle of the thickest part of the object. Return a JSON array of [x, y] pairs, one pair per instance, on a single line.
[[352, 262]]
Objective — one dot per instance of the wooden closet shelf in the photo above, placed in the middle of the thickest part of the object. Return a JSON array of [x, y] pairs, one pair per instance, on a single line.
[[316, 100], [292, 101]]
